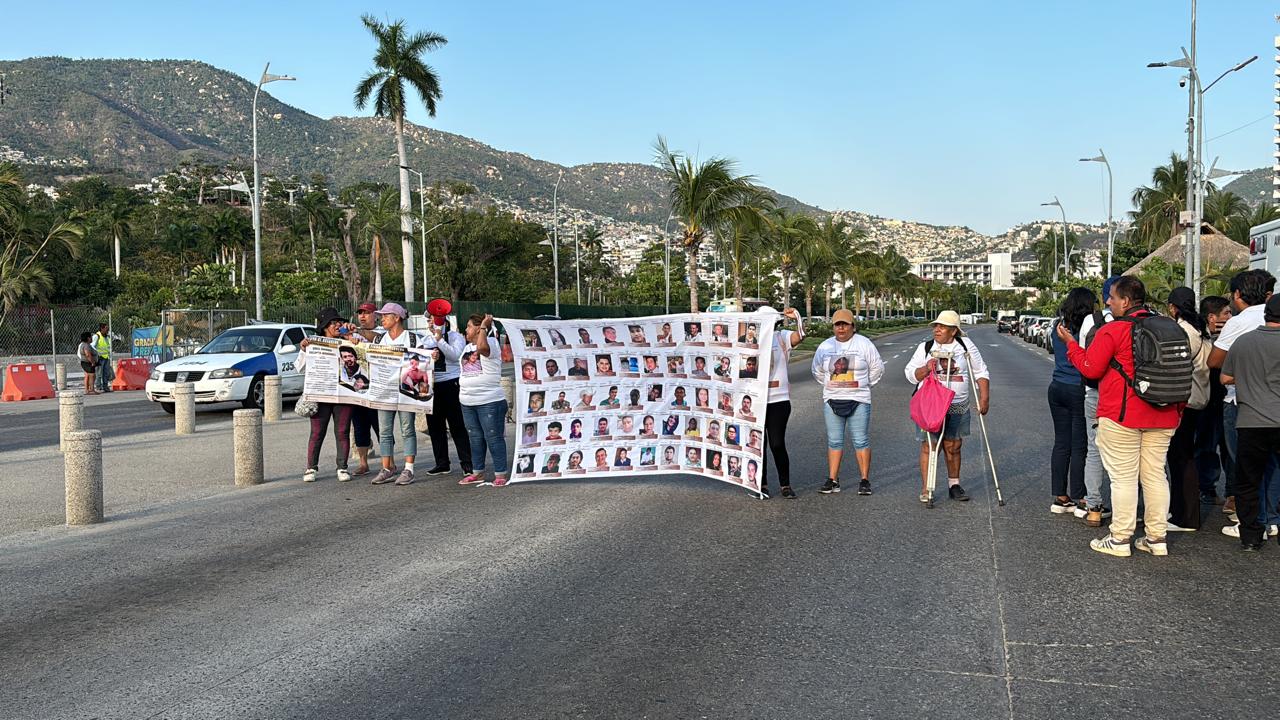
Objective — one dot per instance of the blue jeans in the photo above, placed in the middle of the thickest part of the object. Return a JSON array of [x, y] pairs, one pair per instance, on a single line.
[[858, 425], [1066, 464], [953, 428], [1211, 459], [105, 375], [486, 429], [1095, 476], [1229, 413], [387, 428]]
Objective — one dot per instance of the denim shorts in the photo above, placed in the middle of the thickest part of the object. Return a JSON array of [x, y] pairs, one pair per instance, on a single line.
[[858, 425], [956, 426]]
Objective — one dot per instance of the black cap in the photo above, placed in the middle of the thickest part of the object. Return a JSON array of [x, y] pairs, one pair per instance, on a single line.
[[326, 316], [1271, 313]]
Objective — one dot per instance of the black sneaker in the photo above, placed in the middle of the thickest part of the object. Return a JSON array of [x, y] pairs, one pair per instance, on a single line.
[[830, 486], [957, 493], [439, 470], [864, 487], [788, 493]]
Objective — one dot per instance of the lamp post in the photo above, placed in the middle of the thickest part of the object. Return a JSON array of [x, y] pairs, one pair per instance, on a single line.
[[1064, 239], [555, 236], [422, 224], [257, 192], [1111, 195]]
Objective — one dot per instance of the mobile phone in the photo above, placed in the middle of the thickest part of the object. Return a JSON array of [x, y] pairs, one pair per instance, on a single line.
[[344, 330]]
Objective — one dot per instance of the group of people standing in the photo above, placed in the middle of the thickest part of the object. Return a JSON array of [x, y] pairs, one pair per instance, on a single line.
[[1113, 432], [94, 354]]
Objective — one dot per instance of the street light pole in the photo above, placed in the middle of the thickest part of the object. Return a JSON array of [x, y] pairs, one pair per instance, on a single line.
[[555, 236], [1064, 240], [1111, 196], [257, 193]]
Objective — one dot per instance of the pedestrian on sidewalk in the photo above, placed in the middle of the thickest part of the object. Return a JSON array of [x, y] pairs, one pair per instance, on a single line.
[[951, 358], [1253, 367], [778, 408], [102, 346], [88, 361], [1066, 408], [1097, 486], [1184, 479], [1133, 435], [1212, 458], [847, 365], [364, 421], [484, 403], [393, 317], [330, 324], [446, 410], [1249, 291]]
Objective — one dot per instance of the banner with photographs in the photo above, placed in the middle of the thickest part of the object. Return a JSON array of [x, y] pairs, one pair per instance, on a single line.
[[667, 393], [383, 377]]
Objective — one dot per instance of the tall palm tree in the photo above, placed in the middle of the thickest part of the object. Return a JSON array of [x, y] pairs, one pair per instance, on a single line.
[[1220, 206], [319, 217], [1240, 224], [379, 216], [748, 233], [591, 247], [398, 61], [706, 198], [117, 219], [813, 267], [1155, 218]]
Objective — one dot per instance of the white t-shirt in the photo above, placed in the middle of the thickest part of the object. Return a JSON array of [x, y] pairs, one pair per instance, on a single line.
[[956, 376], [779, 376], [407, 339], [480, 382], [1251, 318], [1087, 325], [847, 370]]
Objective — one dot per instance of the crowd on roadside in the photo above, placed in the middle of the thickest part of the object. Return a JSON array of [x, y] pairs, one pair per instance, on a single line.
[[1156, 408], [94, 354]]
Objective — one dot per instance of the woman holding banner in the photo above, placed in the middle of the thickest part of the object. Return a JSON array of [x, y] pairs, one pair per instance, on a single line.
[[393, 317], [330, 324], [778, 410], [484, 404], [847, 365]]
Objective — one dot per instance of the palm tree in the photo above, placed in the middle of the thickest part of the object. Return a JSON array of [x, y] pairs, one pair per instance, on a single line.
[[705, 198], [1155, 218], [748, 233], [398, 60], [790, 231], [117, 218], [379, 216], [1240, 224], [319, 216], [1220, 206], [591, 247], [813, 266]]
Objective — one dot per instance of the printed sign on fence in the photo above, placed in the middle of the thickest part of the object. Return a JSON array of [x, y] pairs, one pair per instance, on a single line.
[[666, 393], [384, 377]]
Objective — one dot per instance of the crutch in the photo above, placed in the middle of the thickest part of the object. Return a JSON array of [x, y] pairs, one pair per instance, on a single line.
[[931, 477], [982, 422]]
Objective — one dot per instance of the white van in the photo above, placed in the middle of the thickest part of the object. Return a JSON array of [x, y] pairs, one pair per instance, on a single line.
[[731, 305]]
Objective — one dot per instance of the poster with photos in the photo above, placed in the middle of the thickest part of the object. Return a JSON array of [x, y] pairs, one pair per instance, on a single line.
[[383, 377], [682, 393]]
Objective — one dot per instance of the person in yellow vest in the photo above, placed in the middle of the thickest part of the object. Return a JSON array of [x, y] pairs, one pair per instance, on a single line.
[[102, 346]]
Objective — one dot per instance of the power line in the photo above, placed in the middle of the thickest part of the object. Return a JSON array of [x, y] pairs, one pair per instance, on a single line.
[[1251, 122]]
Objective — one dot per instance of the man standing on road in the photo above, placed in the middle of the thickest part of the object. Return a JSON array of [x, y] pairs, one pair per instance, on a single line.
[[1250, 290], [1253, 367], [1133, 435], [102, 346], [447, 348]]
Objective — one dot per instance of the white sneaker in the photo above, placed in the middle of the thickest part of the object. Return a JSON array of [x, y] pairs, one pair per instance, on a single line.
[[343, 475], [309, 476], [1177, 528], [1151, 546], [1110, 546], [1273, 530], [1080, 512], [1231, 530]]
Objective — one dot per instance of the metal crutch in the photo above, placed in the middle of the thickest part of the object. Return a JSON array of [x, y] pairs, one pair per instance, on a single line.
[[982, 422], [931, 477]]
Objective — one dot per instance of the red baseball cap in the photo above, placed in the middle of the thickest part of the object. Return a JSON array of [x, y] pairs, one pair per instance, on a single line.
[[367, 307]]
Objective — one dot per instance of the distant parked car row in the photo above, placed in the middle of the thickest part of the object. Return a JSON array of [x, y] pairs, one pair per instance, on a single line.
[[1034, 329]]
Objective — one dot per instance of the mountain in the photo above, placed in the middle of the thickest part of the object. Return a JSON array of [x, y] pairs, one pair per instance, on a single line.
[[1254, 186], [139, 118]]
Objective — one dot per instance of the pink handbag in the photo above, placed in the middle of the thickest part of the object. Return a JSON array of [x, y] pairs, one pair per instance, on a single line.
[[930, 403]]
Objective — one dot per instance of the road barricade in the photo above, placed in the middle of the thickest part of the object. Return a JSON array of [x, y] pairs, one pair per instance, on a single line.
[[26, 381], [131, 374]]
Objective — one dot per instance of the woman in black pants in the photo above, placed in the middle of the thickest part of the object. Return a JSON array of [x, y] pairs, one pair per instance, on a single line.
[[778, 410], [1066, 406], [331, 325], [1184, 475]]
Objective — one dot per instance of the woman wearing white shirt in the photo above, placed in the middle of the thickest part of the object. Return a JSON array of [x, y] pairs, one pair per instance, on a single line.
[[393, 316], [778, 410], [847, 366], [484, 404], [949, 356]]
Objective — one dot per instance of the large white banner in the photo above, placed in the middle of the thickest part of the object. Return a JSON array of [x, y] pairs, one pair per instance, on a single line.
[[667, 393], [384, 377]]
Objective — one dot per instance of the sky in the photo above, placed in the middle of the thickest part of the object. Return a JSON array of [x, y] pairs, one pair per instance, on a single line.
[[955, 113]]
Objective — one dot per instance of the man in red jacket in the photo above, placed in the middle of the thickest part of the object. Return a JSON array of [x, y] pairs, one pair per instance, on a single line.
[[1133, 435]]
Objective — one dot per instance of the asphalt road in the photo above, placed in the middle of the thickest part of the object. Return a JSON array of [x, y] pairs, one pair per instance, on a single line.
[[656, 597]]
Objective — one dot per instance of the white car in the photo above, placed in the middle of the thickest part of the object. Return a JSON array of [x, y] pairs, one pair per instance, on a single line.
[[232, 366]]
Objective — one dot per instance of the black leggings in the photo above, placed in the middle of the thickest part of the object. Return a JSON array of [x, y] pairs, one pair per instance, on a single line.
[[775, 433]]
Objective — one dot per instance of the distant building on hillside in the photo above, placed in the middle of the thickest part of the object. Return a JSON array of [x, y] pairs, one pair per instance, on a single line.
[[996, 273]]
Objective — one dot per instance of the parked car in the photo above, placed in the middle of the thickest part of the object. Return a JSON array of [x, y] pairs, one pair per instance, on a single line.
[[233, 365]]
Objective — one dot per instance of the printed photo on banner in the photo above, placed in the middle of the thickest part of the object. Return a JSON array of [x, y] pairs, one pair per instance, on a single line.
[[840, 371], [693, 333], [648, 457], [665, 335], [749, 335], [353, 373], [720, 334], [579, 368], [700, 371], [532, 340], [574, 464], [585, 339], [723, 368], [372, 376], [557, 339], [637, 335], [748, 367], [670, 457], [561, 402], [610, 335]]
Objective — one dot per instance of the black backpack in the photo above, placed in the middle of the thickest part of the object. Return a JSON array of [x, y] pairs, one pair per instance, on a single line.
[[1162, 363]]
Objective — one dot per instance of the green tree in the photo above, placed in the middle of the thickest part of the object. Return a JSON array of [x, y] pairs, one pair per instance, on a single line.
[[1156, 206], [379, 217], [397, 62]]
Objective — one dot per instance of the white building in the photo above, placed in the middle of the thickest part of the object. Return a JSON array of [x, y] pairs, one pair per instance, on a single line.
[[996, 273]]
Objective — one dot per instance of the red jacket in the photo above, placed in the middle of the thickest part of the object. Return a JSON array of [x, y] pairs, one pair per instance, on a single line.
[[1113, 341]]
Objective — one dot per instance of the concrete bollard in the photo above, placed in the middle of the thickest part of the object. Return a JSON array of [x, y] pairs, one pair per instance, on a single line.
[[60, 376], [271, 398], [82, 473], [184, 409], [70, 415], [247, 437]]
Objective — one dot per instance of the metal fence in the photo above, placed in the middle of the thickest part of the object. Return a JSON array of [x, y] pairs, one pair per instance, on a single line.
[[45, 332]]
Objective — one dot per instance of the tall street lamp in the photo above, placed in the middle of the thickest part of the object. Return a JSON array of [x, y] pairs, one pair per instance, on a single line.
[[1111, 196], [555, 235], [257, 192], [1058, 204], [1188, 63]]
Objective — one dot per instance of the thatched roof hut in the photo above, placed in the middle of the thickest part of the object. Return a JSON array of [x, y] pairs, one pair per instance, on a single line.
[[1216, 250]]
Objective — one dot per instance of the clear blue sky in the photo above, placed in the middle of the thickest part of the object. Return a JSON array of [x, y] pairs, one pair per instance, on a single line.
[[940, 111]]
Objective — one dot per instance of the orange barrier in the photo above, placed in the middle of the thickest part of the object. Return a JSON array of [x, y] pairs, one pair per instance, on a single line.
[[26, 381], [131, 374]]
